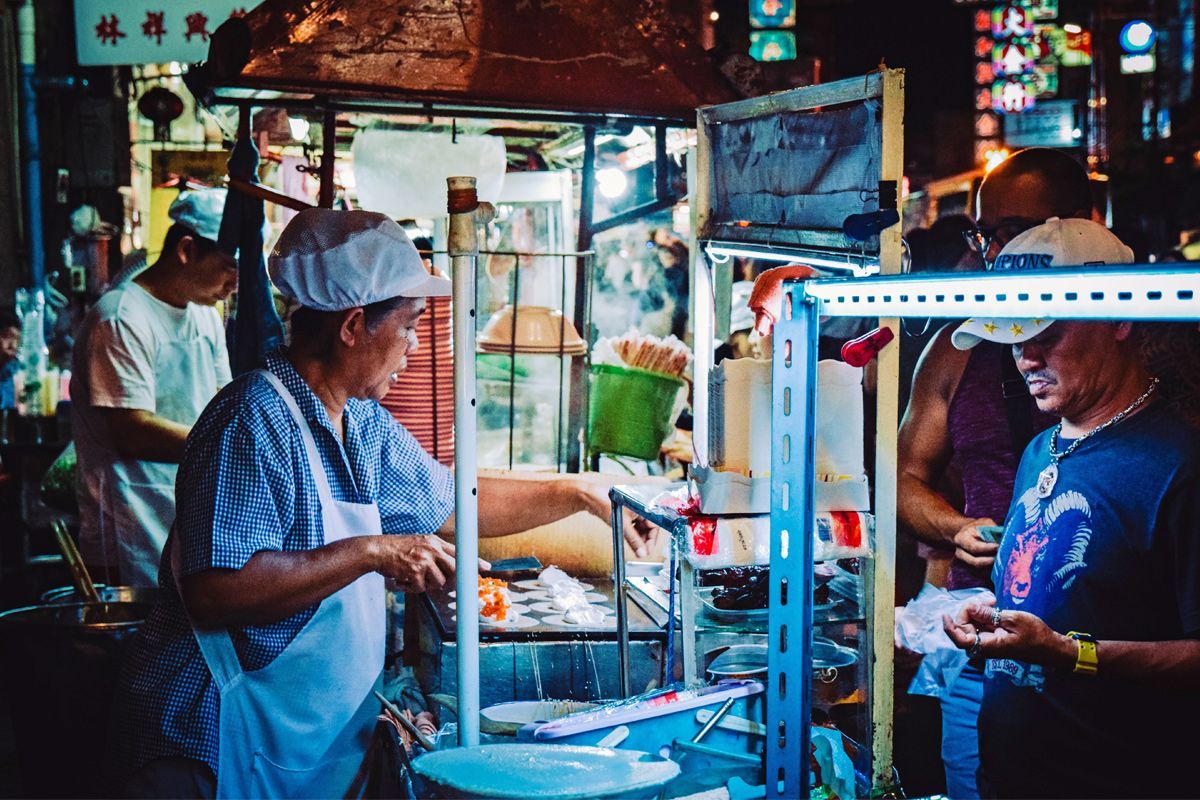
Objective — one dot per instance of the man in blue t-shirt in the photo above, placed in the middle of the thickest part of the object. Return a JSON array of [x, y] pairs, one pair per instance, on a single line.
[[1093, 642]]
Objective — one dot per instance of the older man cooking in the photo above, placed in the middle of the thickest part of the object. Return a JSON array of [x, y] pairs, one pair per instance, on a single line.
[[254, 676], [1093, 643]]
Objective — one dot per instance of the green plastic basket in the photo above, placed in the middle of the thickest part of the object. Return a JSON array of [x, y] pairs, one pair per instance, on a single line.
[[629, 411]]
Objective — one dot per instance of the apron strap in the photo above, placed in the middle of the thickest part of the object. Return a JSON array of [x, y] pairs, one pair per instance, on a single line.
[[310, 444], [215, 644]]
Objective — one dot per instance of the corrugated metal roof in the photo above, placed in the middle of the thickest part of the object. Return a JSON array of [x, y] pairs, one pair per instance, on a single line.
[[596, 56]]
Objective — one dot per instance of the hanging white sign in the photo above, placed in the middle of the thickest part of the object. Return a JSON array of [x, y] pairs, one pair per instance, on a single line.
[[138, 32]]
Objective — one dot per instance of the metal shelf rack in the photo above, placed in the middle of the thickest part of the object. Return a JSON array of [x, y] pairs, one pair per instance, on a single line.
[[1146, 292], [765, 187]]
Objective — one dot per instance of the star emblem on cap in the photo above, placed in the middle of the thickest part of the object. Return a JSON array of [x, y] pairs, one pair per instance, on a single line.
[[1037, 322], [989, 327], [1016, 330]]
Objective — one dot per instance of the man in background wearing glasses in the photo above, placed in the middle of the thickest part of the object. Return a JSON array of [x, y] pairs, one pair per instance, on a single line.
[[972, 409]]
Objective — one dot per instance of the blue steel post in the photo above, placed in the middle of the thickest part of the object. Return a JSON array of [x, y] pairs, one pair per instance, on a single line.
[[790, 620], [31, 148]]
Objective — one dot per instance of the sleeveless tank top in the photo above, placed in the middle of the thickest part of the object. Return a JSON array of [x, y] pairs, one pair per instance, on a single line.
[[983, 445]]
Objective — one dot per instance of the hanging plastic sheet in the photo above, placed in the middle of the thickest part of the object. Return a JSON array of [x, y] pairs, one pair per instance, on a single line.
[[256, 328]]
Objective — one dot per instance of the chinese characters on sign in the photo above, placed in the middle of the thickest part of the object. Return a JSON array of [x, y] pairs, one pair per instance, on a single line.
[[1014, 57], [772, 13], [1013, 95], [772, 45], [108, 29], [129, 32], [1013, 65], [1011, 22], [774, 34], [153, 26]]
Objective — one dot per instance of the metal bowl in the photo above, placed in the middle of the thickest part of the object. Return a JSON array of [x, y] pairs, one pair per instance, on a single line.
[[740, 661], [108, 594]]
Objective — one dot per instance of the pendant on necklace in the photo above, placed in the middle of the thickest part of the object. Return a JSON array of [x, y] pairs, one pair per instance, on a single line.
[[1046, 480]]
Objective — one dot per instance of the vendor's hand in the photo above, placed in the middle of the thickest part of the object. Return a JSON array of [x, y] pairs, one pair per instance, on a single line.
[[640, 535], [1008, 634], [971, 548], [416, 563]]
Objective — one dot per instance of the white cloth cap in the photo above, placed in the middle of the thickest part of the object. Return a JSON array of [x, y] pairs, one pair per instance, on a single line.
[[740, 315], [200, 210], [1056, 243], [333, 260]]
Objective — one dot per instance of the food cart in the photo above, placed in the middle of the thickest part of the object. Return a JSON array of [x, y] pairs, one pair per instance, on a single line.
[[779, 178]]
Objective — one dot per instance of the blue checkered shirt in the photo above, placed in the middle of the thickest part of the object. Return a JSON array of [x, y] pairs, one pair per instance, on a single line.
[[245, 486]]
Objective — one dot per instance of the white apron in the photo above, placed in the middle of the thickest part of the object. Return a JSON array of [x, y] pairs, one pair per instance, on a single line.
[[302, 726], [139, 501]]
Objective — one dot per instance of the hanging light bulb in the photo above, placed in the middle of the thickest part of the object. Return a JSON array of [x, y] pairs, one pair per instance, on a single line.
[[299, 127], [611, 182]]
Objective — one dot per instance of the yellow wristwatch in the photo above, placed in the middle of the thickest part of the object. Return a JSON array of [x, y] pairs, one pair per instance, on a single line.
[[1086, 662]]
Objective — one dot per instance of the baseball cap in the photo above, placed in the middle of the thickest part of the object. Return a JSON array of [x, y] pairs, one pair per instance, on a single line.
[[200, 210], [1054, 244], [333, 260]]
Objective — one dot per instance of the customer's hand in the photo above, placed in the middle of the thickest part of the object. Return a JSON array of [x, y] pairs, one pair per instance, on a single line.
[[1017, 635], [416, 563], [971, 548]]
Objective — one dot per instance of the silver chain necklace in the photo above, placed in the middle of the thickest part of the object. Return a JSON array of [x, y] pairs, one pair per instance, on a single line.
[[1049, 476]]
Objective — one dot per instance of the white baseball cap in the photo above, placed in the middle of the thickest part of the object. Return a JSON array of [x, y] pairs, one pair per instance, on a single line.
[[1056, 243], [333, 260], [200, 210]]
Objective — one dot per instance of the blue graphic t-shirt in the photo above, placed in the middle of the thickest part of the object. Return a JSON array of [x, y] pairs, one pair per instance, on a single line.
[[1114, 551]]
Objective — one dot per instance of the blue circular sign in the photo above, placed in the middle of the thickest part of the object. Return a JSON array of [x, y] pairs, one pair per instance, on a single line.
[[1137, 36]]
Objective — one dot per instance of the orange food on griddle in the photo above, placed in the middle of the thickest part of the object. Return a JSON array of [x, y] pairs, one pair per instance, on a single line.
[[493, 599]]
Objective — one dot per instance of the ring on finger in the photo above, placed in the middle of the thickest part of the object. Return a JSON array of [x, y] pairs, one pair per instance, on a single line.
[[995, 618], [973, 650]]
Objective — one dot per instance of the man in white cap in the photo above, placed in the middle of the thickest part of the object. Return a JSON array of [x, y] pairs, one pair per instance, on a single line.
[[1092, 644], [298, 496], [149, 356], [969, 418]]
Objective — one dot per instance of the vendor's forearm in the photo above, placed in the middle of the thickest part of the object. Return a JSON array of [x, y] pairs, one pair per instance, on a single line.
[[925, 512], [513, 504], [145, 436], [1174, 664], [275, 585]]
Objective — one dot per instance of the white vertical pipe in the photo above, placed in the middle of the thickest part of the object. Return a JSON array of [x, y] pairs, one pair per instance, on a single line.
[[463, 244], [703, 324]]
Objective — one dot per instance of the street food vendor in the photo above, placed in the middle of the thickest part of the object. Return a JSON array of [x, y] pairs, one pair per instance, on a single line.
[[254, 675], [149, 356]]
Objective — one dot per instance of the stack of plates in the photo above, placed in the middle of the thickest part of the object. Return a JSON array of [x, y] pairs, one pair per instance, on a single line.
[[422, 400]]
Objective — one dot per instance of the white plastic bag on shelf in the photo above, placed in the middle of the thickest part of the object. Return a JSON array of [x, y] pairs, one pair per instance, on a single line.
[[729, 541], [842, 534], [738, 541], [919, 630]]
